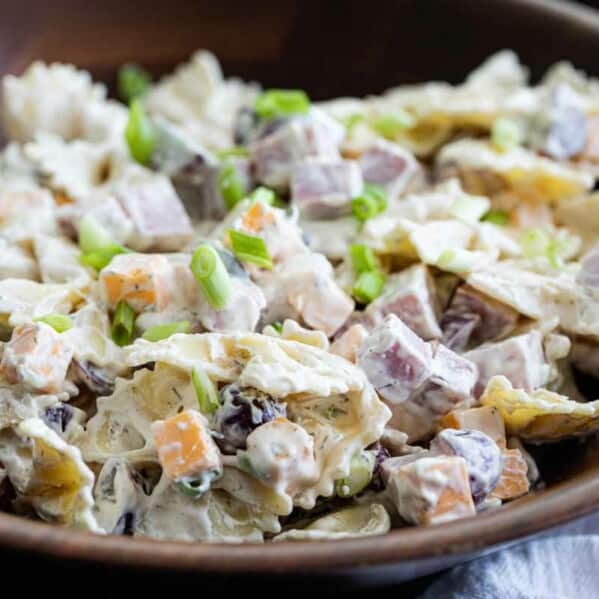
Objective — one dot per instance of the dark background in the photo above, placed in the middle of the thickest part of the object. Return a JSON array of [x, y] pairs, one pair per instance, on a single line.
[[370, 36]]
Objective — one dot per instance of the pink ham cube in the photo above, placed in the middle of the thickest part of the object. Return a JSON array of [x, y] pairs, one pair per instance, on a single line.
[[410, 295], [159, 218], [389, 165], [521, 359], [323, 189], [274, 157]]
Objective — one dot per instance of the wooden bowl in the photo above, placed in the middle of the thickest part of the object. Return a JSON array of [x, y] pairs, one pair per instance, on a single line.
[[329, 49]]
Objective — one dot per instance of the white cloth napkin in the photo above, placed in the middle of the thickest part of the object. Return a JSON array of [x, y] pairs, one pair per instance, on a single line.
[[554, 567]]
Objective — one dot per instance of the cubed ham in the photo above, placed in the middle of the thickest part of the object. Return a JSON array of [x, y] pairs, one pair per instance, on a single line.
[[389, 165], [142, 280], [482, 317], [482, 455], [36, 357], [396, 361], [275, 156], [485, 419], [324, 189], [347, 344], [521, 359], [410, 295], [314, 294], [514, 480], [159, 218], [185, 446], [432, 490]]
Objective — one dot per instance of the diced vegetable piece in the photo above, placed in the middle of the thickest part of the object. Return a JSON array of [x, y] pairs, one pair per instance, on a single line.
[[36, 357], [347, 344], [59, 322], [275, 156], [281, 102], [139, 134], [230, 185], [323, 189], [280, 453], [497, 217], [489, 318], [506, 134], [212, 276], [370, 203], [514, 480], [132, 82], [388, 165], [240, 411], [233, 152], [410, 295], [185, 446], [396, 361], [482, 455], [250, 248], [158, 216], [432, 490], [521, 359], [264, 195], [139, 279], [369, 285], [123, 324], [361, 468], [205, 391], [363, 258], [392, 125], [485, 419], [96, 243], [164, 331]]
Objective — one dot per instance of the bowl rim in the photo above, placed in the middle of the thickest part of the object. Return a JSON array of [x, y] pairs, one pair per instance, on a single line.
[[533, 514]]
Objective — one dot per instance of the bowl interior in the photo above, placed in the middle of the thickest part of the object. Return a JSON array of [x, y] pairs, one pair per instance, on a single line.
[[329, 49]]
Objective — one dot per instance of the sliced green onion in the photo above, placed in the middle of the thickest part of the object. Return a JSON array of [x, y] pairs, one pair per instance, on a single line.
[[497, 217], [281, 102], [506, 134], [360, 474], [233, 152], [139, 133], [123, 324], [205, 391], [164, 331], [264, 195], [369, 285], [250, 248], [458, 260], [469, 209], [277, 326], [391, 125], [351, 121], [362, 257], [230, 185], [132, 82], [59, 322], [536, 243], [370, 203], [196, 486], [97, 246], [212, 276]]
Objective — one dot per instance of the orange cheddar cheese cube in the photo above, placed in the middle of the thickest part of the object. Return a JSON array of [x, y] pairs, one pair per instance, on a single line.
[[486, 419], [185, 446], [514, 477], [432, 490], [142, 280], [36, 357]]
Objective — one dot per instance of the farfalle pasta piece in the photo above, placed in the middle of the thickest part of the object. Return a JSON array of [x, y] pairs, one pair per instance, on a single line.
[[540, 415]]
